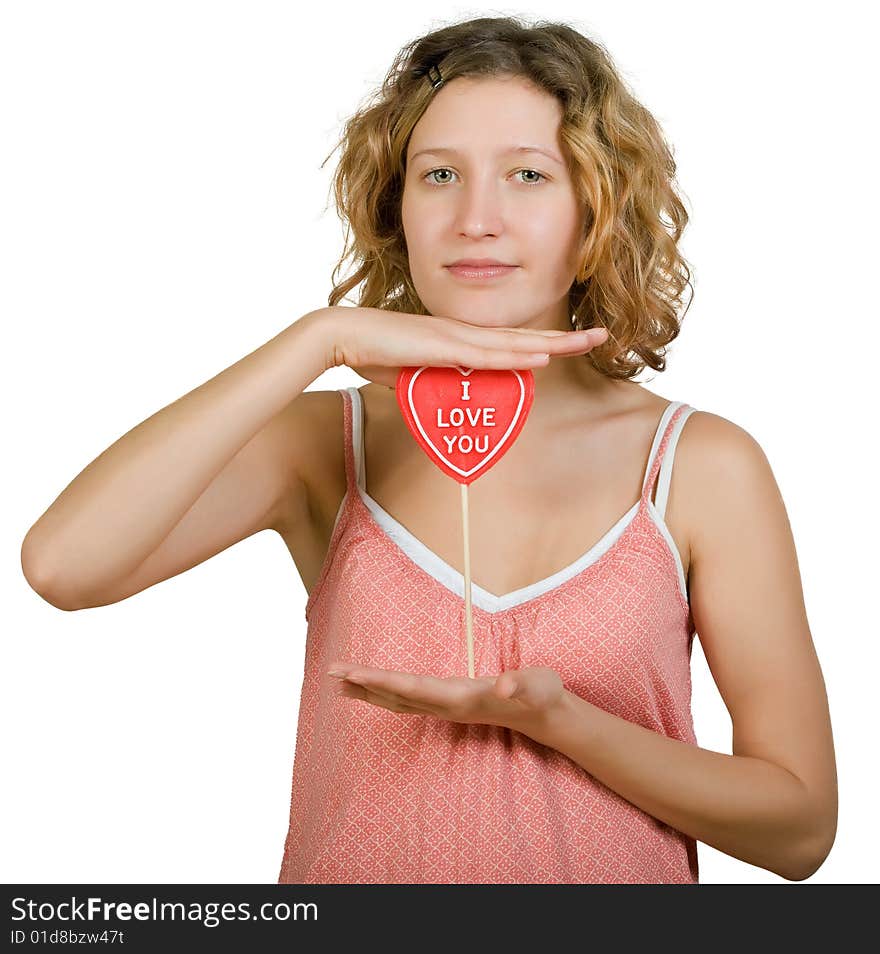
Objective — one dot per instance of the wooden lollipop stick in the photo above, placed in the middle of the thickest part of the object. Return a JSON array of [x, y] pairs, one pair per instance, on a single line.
[[467, 579], [465, 420]]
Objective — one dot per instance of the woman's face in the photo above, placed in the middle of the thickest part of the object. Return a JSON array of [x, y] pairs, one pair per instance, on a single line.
[[473, 195]]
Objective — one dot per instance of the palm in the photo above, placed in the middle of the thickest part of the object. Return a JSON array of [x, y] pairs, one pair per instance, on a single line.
[[513, 699]]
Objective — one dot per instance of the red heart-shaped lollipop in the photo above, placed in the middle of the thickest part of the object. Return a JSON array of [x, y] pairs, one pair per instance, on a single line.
[[465, 419]]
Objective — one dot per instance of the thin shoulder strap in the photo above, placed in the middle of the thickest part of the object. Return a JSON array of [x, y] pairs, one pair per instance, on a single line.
[[662, 453], [355, 436], [350, 416]]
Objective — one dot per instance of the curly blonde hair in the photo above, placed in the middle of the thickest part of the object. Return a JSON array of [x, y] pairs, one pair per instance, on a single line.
[[631, 275]]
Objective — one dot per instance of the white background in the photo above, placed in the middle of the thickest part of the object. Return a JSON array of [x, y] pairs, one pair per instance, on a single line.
[[164, 213]]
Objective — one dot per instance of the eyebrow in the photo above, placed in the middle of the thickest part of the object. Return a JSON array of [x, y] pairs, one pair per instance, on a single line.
[[439, 151]]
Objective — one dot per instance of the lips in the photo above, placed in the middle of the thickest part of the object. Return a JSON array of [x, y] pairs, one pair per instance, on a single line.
[[480, 263], [481, 272]]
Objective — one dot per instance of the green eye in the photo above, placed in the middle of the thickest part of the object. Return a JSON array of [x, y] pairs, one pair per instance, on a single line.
[[540, 175]]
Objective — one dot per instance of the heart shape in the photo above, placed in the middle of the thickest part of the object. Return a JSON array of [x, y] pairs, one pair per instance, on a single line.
[[465, 419]]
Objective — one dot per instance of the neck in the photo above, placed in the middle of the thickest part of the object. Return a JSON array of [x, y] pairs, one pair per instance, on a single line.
[[573, 382], [568, 379]]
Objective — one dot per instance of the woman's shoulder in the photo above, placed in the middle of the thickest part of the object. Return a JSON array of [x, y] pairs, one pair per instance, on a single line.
[[323, 468], [712, 438], [717, 462], [326, 468], [710, 446]]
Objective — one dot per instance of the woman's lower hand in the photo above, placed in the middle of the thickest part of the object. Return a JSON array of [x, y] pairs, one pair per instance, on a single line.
[[517, 698]]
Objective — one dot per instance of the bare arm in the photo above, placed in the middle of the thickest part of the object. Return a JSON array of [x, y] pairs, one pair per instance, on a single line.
[[209, 469], [773, 802], [227, 459]]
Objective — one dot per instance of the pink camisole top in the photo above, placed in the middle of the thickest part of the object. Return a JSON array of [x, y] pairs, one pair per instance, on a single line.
[[386, 797]]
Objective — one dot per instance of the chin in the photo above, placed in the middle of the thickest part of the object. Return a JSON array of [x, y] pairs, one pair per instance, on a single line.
[[487, 313]]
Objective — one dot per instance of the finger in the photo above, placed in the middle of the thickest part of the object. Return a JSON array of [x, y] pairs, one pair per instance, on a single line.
[[377, 698], [540, 331], [375, 681], [474, 357], [357, 691], [467, 326], [427, 691], [535, 340], [593, 335]]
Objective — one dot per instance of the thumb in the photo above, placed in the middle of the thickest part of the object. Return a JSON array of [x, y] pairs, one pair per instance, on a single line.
[[507, 685]]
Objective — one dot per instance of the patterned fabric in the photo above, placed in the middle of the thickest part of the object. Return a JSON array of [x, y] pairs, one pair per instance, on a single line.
[[386, 797]]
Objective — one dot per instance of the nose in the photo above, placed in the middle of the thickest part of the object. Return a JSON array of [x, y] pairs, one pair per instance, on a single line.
[[480, 209]]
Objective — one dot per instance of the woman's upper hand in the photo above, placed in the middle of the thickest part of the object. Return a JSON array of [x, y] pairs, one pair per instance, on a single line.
[[377, 343]]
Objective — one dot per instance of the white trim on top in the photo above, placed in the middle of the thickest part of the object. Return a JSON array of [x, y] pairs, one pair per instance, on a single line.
[[449, 577]]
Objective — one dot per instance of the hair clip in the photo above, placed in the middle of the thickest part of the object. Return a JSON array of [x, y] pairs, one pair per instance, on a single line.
[[433, 73], [435, 80]]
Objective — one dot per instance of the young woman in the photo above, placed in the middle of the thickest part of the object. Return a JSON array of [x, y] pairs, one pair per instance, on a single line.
[[571, 757]]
